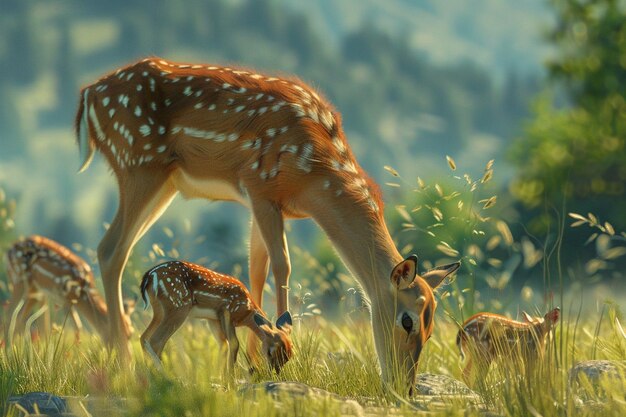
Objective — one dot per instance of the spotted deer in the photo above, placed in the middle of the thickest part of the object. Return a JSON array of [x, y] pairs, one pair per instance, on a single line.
[[40, 268], [272, 144], [180, 290], [486, 336]]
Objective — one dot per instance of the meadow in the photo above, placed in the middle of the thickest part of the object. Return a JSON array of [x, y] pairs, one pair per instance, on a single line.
[[333, 347]]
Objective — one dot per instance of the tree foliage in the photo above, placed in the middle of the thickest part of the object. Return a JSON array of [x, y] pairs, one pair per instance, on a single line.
[[577, 151]]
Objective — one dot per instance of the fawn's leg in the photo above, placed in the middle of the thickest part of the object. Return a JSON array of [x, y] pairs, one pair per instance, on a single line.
[[233, 344], [166, 328]]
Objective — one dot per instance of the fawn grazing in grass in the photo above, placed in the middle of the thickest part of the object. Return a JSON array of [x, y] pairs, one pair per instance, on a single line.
[[272, 144], [178, 290], [486, 336], [38, 267]]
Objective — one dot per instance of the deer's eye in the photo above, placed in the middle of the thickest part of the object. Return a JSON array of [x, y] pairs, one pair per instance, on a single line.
[[407, 323]]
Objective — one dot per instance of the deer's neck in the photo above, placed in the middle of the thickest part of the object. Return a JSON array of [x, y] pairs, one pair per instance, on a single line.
[[361, 237]]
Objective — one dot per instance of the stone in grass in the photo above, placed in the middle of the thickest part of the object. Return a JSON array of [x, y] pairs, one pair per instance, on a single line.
[[433, 391], [282, 390], [592, 377], [39, 403]]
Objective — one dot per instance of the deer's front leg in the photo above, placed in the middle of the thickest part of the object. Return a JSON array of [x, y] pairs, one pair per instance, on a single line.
[[269, 219], [143, 197], [259, 266]]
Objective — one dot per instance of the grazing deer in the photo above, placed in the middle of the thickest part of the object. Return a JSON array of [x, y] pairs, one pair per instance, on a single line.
[[486, 336], [38, 267], [272, 144], [178, 290]]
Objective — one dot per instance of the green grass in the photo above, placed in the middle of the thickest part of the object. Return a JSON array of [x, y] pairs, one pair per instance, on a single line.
[[335, 357]]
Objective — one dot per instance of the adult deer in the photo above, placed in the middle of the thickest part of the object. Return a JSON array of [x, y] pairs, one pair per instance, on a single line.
[[39, 267], [271, 144]]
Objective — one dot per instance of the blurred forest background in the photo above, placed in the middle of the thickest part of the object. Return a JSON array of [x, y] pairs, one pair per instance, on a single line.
[[538, 86]]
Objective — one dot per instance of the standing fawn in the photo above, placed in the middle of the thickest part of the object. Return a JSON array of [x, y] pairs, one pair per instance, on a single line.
[[486, 336], [38, 267], [272, 144], [178, 290]]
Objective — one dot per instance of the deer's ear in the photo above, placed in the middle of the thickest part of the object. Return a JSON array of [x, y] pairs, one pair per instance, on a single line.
[[261, 321], [435, 276], [284, 322], [526, 317], [404, 273]]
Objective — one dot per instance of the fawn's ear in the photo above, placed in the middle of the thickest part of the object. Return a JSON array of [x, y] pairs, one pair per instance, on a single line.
[[261, 321], [526, 317], [284, 322], [435, 276], [404, 273]]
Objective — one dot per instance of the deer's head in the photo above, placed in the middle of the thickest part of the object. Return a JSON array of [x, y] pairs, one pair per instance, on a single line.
[[276, 344], [414, 311]]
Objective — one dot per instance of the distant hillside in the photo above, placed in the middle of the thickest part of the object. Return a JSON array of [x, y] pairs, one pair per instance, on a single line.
[[499, 35]]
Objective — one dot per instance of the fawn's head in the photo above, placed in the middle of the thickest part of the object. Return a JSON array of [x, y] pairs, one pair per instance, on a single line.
[[544, 324], [414, 310], [276, 343]]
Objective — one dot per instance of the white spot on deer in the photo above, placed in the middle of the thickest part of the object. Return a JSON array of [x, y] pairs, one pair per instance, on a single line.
[[284, 129], [147, 146], [259, 96], [187, 91], [225, 85], [212, 106], [161, 130], [196, 66], [111, 113], [271, 132], [139, 87], [130, 76], [198, 93], [161, 149], [254, 165], [304, 160], [113, 150], [131, 139], [105, 101], [198, 105], [273, 171], [152, 84], [121, 75], [338, 192], [263, 175], [262, 110], [240, 90], [123, 100], [189, 78], [137, 111], [233, 137], [175, 79], [251, 112], [167, 102], [220, 137], [326, 184], [145, 73], [327, 119], [314, 115], [230, 101], [239, 108], [272, 79], [115, 125], [211, 68], [145, 130], [350, 167], [339, 145], [200, 134], [289, 148], [256, 76], [162, 62], [150, 121], [101, 87], [298, 108]]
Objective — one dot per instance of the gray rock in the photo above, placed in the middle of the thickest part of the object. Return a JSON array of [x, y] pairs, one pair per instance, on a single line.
[[434, 384], [589, 379], [39, 403]]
